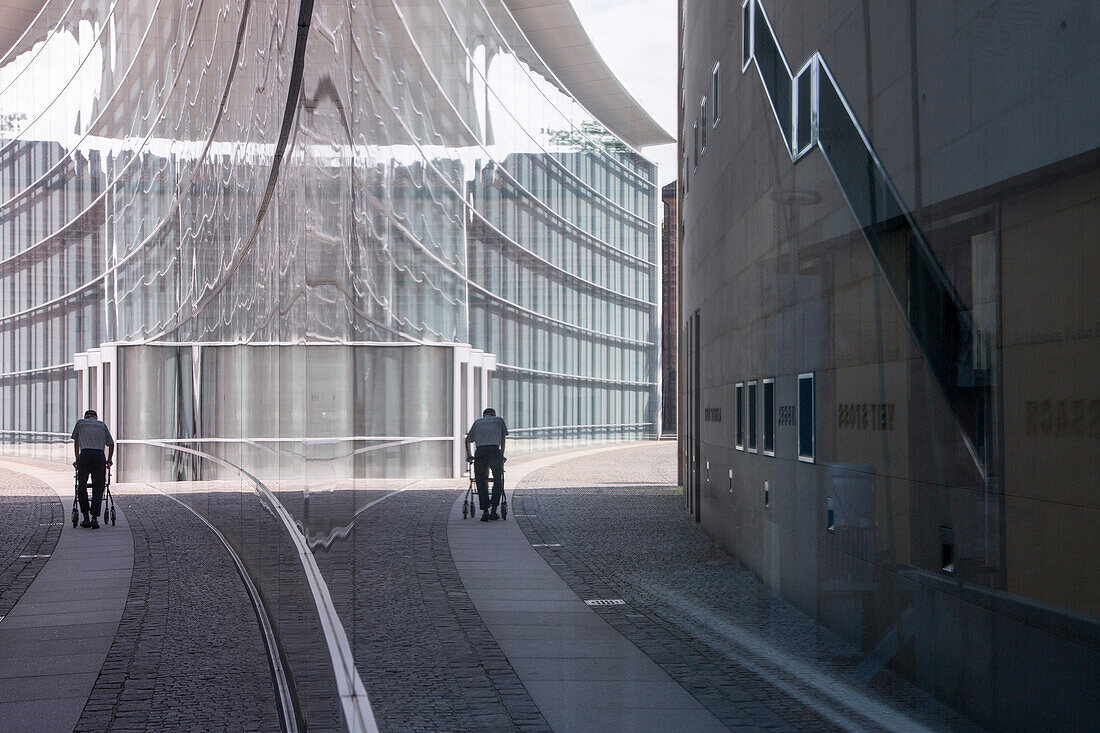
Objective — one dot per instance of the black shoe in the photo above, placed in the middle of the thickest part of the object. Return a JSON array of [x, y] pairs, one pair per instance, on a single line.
[[485, 517], [95, 522], [494, 515], [86, 523]]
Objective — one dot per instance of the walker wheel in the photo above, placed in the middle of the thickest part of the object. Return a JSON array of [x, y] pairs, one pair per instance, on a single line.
[[112, 516], [504, 511]]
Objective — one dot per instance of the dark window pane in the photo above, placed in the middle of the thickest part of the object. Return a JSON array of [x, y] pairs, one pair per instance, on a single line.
[[806, 417], [746, 47], [715, 94], [752, 416], [769, 417], [777, 82], [740, 416], [804, 111]]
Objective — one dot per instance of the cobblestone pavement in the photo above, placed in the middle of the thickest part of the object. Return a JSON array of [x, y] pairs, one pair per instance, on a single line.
[[188, 653], [426, 658], [30, 525], [708, 622]]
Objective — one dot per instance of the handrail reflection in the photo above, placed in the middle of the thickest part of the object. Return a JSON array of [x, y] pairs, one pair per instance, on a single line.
[[353, 694]]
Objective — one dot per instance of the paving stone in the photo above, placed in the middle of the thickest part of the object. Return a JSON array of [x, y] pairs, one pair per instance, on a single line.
[[31, 516], [188, 653], [619, 519]]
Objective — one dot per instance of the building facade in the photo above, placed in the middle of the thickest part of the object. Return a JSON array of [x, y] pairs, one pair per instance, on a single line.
[[670, 289], [290, 250], [175, 175], [889, 355]]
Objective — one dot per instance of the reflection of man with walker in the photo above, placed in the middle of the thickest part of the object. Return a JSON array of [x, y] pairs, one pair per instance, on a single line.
[[94, 450], [488, 433]]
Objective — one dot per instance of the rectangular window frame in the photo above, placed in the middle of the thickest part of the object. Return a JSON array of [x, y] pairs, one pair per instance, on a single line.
[[753, 445], [739, 428], [768, 395], [716, 93], [695, 143], [804, 456], [703, 127], [747, 31], [804, 123]]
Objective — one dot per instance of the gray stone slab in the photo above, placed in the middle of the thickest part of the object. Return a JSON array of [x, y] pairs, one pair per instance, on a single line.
[[506, 592], [629, 694], [46, 687], [35, 665], [606, 649], [19, 621], [63, 631], [568, 718], [54, 647], [90, 574], [513, 564], [29, 606], [95, 590], [613, 670], [46, 715], [493, 605], [493, 582], [587, 629]]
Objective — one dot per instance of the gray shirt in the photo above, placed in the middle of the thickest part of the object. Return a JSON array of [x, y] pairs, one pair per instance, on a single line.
[[487, 431], [92, 434]]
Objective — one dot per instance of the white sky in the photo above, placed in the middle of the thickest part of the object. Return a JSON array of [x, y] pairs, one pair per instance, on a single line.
[[637, 38]]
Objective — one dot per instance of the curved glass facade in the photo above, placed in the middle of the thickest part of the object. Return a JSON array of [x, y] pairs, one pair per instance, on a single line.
[[289, 251], [392, 173]]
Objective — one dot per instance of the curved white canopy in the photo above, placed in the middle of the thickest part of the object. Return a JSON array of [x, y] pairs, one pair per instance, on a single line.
[[555, 31]]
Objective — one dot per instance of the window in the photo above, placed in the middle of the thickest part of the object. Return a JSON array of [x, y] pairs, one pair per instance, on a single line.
[[695, 139], [715, 94], [703, 129], [803, 130], [752, 417], [746, 35], [806, 417], [740, 409], [769, 417]]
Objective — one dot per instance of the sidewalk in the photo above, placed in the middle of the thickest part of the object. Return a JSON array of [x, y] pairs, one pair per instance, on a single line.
[[582, 674], [56, 637]]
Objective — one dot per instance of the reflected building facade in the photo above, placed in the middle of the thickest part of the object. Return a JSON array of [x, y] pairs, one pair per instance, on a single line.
[[204, 180], [290, 250], [890, 359]]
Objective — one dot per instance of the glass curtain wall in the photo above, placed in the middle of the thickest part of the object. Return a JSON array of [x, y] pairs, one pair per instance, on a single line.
[[217, 179]]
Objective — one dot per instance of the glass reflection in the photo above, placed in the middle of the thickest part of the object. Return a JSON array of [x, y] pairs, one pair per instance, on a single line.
[[269, 325]]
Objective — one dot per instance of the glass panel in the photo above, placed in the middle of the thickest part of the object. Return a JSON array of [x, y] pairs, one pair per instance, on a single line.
[[746, 33], [806, 426], [769, 417], [803, 125], [752, 416], [777, 80], [740, 397]]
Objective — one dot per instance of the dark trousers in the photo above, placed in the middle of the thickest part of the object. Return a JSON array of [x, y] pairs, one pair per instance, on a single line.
[[486, 457], [91, 463]]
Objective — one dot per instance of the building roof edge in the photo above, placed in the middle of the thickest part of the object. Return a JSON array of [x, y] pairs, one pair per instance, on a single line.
[[558, 36]]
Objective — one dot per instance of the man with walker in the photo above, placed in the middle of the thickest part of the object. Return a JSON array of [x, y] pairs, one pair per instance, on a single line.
[[90, 438], [488, 433]]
